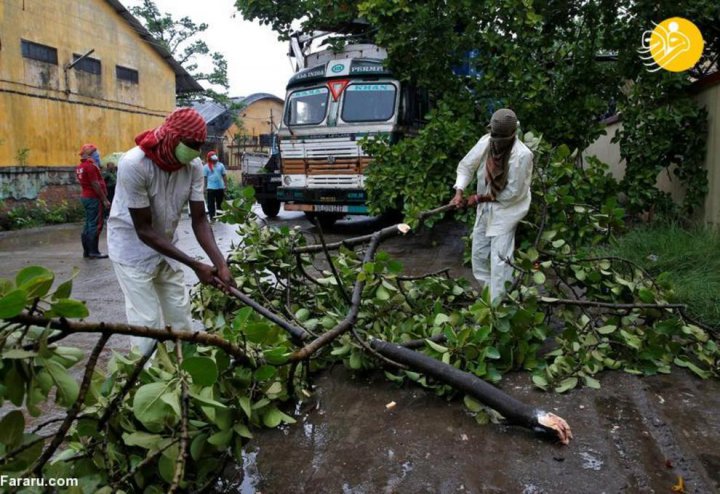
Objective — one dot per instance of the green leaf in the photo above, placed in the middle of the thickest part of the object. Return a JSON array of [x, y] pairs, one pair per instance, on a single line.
[[355, 361], [221, 439], [35, 280], [142, 439], [12, 427], [472, 404], [539, 277], [272, 417], [646, 296], [13, 303], [203, 370], [197, 446], [436, 347], [607, 329], [591, 382], [492, 353], [243, 431], [67, 387], [566, 384], [381, 293], [172, 399], [540, 381], [69, 308], [148, 406], [245, 405], [18, 353], [204, 400], [532, 254], [441, 319], [302, 314]]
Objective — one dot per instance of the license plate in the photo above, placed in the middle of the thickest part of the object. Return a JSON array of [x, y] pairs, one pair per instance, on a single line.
[[331, 208]]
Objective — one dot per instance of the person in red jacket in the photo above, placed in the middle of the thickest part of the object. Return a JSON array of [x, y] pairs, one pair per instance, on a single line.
[[94, 200]]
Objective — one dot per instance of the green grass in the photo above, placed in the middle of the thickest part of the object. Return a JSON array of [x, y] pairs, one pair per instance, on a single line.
[[691, 259]]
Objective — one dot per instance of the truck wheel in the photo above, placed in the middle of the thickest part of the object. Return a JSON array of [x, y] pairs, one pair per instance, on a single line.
[[270, 207], [327, 220]]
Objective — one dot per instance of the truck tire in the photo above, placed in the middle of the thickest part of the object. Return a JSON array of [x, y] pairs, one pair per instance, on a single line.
[[327, 220], [271, 207]]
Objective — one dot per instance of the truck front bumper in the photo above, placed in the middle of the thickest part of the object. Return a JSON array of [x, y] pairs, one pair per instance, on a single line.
[[350, 201]]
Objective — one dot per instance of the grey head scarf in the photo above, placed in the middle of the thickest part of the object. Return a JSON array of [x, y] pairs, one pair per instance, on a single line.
[[503, 126]]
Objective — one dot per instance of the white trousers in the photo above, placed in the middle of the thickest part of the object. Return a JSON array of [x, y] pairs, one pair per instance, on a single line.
[[155, 300], [488, 254]]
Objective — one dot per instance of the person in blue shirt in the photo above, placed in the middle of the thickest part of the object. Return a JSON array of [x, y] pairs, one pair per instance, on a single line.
[[214, 172]]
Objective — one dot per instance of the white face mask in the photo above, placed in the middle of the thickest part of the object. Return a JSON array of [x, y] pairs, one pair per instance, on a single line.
[[185, 154]]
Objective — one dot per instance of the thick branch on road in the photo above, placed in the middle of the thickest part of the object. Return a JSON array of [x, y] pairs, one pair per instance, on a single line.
[[513, 410]]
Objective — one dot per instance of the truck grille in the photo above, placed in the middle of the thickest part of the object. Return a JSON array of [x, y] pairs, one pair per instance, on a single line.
[[334, 181]]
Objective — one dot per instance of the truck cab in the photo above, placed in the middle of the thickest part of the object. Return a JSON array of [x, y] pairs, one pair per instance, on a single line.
[[333, 103]]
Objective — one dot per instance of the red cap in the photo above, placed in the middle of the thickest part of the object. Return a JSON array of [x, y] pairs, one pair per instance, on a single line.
[[87, 147]]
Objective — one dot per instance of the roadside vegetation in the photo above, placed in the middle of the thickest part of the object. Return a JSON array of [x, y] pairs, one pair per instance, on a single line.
[[686, 257], [39, 213]]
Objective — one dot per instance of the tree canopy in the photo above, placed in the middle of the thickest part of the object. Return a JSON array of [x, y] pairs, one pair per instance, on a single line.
[[560, 65], [180, 38]]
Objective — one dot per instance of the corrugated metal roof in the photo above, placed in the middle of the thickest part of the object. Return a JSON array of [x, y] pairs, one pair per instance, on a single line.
[[184, 82], [249, 100], [209, 110]]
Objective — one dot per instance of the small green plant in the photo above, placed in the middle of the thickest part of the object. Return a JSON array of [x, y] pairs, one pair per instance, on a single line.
[[22, 156], [38, 213]]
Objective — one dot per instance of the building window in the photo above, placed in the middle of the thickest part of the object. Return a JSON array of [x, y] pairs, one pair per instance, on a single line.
[[88, 64], [125, 74], [41, 53]]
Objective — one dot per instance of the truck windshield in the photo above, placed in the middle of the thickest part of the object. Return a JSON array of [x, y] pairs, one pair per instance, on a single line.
[[368, 103], [306, 107]]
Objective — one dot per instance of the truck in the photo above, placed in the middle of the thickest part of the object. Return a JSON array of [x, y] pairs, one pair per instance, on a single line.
[[336, 98], [262, 172]]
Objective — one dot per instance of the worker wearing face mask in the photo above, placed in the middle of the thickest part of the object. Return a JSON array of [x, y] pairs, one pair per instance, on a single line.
[[503, 166], [154, 182]]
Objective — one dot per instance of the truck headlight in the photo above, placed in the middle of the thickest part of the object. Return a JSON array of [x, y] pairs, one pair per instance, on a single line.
[[287, 180]]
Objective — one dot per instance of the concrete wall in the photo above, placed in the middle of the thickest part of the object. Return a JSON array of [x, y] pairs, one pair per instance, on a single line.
[[50, 115], [707, 95]]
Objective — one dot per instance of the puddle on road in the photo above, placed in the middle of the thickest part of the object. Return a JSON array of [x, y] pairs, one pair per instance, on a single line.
[[591, 460]]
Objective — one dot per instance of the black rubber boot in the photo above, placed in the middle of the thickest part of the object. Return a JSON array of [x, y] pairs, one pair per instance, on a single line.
[[85, 246], [94, 251]]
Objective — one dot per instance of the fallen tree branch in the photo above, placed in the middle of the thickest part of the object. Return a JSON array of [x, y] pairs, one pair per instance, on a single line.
[[36, 468], [349, 320], [513, 410], [363, 239], [200, 337], [298, 333], [606, 305]]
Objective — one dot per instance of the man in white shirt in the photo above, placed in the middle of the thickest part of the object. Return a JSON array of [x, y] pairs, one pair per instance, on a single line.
[[503, 165], [154, 182]]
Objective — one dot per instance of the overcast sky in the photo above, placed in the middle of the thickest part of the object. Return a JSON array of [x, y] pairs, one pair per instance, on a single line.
[[257, 61]]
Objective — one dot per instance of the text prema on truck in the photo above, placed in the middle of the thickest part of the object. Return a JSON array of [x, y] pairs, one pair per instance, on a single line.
[[333, 101]]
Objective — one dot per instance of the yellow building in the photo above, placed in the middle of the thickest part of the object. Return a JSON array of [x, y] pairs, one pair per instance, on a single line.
[[49, 106]]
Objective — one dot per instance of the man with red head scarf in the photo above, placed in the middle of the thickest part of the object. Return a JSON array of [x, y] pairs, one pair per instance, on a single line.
[[94, 200], [154, 182]]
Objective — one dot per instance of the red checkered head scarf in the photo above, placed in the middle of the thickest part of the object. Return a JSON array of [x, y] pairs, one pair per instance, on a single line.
[[159, 144]]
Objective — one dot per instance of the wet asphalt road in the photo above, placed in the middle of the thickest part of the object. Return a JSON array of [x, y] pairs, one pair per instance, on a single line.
[[635, 435]]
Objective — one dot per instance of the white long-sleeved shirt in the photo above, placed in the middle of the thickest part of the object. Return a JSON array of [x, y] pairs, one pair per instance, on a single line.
[[513, 203]]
